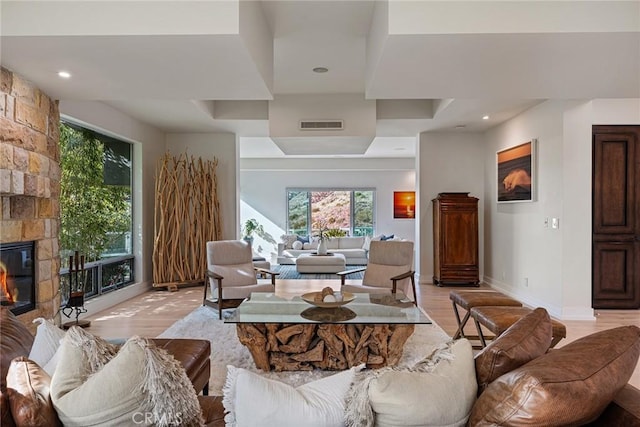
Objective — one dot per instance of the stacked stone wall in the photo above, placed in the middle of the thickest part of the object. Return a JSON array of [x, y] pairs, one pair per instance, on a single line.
[[30, 182]]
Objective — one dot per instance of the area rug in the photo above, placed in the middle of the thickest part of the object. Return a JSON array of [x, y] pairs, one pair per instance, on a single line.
[[288, 271], [203, 323]]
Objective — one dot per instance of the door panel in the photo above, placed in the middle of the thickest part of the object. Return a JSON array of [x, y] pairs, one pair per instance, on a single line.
[[614, 196], [613, 270], [616, 217]]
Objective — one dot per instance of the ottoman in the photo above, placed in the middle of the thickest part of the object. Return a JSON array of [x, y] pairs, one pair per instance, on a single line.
[[466, 300], [499, 319], [330, 263]]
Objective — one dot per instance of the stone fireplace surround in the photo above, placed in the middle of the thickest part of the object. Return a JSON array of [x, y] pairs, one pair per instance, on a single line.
[[30, 183]]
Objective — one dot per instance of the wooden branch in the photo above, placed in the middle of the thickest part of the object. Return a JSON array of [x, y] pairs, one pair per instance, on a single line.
[[187, 215], [284, 347], [256, 342]]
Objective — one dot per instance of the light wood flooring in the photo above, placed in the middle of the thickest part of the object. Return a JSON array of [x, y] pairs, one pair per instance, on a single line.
[[152, 312]]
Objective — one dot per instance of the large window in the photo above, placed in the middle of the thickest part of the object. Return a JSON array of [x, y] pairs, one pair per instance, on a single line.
[[351, 211], [95, 208]]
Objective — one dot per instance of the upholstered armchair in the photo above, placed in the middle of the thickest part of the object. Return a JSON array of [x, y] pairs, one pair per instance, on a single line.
[[389, 269], [232, 274]]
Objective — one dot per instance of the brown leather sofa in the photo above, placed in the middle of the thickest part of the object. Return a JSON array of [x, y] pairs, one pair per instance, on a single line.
[[16, 341]]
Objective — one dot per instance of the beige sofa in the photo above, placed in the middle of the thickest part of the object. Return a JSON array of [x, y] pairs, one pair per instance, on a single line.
[[353, 248]]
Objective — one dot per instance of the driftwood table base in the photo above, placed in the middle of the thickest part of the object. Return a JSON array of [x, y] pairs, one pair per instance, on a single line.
[[303, 347]]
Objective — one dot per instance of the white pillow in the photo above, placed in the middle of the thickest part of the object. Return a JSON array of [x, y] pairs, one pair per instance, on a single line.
[[288, 240], [141, 382], [252, 400], [367, 243], [311, 245], [438, 391], [46, 344], [297, 245]]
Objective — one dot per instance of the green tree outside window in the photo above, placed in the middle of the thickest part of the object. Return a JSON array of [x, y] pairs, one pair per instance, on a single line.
[[94, 215]]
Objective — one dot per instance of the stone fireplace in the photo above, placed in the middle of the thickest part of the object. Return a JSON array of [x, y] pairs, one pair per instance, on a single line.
[[30, 183]]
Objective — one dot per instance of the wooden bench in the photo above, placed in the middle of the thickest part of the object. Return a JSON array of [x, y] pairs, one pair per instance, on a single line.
[[499, 319], [468, 299]]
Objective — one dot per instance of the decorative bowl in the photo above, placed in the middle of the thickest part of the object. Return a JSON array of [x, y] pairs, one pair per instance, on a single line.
[[347, 297]]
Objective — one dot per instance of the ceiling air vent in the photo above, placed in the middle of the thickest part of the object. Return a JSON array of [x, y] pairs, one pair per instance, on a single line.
[[321, 125]]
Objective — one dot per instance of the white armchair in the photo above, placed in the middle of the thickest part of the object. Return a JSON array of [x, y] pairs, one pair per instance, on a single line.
[[389, 269], [232, 275]]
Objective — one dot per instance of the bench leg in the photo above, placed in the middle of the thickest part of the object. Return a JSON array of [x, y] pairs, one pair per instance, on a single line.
[[460, 332], [483, 342]]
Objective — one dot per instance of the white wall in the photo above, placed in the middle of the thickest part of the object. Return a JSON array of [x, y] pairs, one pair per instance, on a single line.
[[223, 147], [557, 262], [263, 187], [148, 144], [522, 257], [447, 162]]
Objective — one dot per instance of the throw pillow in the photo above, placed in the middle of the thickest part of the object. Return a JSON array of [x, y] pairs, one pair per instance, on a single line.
[[571, 385], [303, 239], [28, 393], [439, 390], [389, 237], [367, 243], [297, 245], [522, 342], [45, 344], [288, 240], [138, 384], [252, 400]]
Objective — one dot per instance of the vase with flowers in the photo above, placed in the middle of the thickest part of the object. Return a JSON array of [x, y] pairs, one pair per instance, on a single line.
[[322, 237], [322, 245]]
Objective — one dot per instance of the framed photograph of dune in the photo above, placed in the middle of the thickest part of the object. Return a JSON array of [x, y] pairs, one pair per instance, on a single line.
[[516, 173]]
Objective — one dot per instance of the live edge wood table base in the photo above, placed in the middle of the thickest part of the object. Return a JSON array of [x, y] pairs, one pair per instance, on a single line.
[[303, 347]]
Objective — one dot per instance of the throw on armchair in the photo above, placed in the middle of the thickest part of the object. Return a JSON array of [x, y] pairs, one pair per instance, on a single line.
[[232, 275]]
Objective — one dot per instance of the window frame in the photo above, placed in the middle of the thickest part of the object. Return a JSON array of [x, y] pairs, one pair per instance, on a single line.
[[132, 259], [351, 190]]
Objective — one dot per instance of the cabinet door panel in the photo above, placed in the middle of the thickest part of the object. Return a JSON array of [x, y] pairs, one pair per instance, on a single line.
[[460, 250]]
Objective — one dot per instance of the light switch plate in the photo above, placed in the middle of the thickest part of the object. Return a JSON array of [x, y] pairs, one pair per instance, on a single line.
[[555, 222]]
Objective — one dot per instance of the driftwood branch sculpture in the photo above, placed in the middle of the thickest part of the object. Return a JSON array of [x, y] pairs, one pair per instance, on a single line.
[[187, 216]]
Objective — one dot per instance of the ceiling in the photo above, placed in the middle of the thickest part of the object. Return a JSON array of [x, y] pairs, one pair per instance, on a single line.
[[396, 68]]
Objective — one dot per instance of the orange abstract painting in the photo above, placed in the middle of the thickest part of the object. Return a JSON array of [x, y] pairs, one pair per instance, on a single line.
[[404, 204]]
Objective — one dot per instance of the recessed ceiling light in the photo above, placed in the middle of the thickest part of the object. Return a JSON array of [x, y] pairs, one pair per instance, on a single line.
[[64, 74], [485, 117], [320, 70], [460, 127]]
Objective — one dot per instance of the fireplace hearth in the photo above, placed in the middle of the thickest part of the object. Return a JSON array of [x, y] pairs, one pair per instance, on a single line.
[[17, 276]]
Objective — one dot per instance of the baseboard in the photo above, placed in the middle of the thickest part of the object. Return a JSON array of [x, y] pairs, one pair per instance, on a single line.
[[561, 313]]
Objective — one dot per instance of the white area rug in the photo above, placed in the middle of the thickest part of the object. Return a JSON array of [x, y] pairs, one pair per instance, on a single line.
[[203, 323]]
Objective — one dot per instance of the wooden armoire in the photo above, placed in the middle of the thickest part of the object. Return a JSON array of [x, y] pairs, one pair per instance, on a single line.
[[455, 239]]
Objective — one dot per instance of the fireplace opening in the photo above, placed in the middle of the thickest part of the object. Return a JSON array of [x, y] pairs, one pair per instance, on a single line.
[[17, 276]]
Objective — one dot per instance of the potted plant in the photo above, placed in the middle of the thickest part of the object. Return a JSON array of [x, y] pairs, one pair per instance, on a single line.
[[250, 227]]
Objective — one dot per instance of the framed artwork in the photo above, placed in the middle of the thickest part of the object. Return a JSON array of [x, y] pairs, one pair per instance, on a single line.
[[404, 204], [516, 173]]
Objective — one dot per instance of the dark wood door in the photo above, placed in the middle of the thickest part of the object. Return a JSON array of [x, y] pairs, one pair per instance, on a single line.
[[616, 217]]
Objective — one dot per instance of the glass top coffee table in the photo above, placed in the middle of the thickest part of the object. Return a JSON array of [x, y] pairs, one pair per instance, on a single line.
[[287, 335]]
